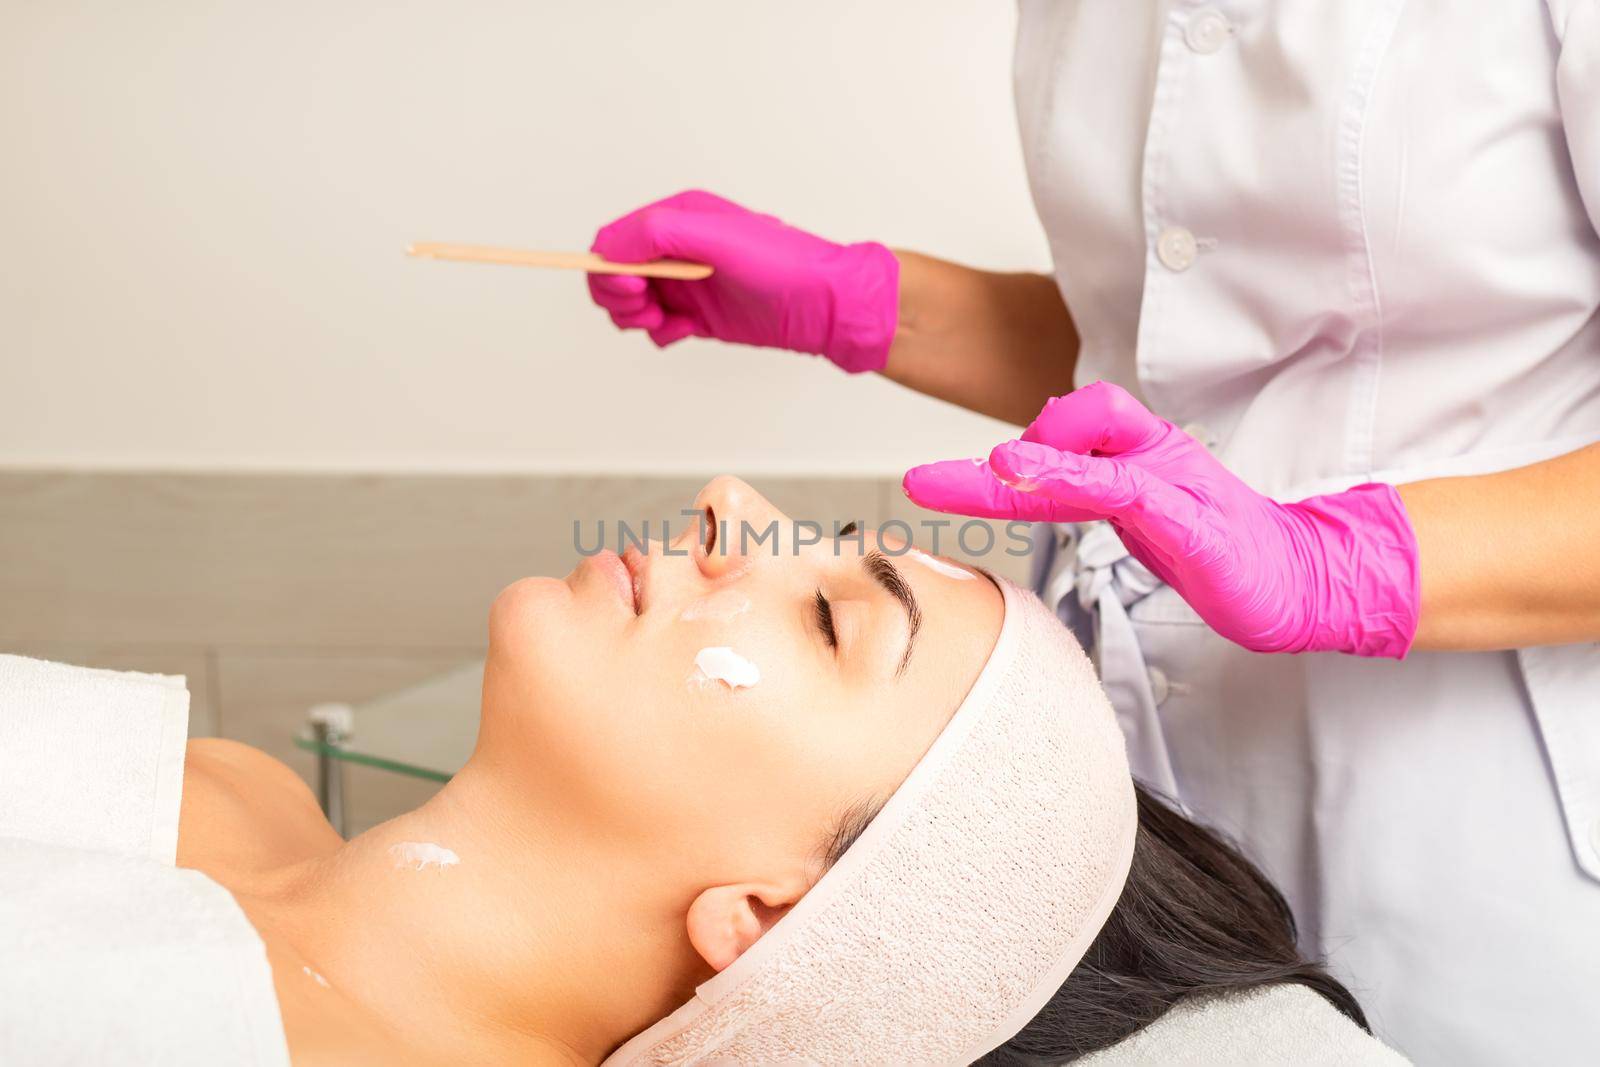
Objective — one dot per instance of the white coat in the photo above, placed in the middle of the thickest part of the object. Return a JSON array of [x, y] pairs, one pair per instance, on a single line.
[[1344, 242]]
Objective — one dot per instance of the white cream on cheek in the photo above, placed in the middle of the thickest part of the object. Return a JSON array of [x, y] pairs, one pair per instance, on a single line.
[[315, 977], [719, 607], [722, 664], [419, 855], [939, 566]]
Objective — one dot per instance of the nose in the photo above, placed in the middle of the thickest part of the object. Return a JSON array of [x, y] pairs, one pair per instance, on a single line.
[[736, 522]]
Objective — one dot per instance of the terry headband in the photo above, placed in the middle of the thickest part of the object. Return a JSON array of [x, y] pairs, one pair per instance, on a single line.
[[965, 904]]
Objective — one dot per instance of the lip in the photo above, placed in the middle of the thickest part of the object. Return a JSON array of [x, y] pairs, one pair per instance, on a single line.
[[637, 564], [615, 571]]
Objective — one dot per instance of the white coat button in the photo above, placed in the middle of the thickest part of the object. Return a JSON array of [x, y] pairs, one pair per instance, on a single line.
[[1159, 686], [1207, 31], [1177, 248]]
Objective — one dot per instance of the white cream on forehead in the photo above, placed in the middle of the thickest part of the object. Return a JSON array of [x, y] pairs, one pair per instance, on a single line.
[[419, 855], [720, 606], [722, 664], [934, 563]]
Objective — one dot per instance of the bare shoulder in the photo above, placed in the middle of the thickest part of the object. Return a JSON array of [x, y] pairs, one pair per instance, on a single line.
[[225, 760], [242, 808]]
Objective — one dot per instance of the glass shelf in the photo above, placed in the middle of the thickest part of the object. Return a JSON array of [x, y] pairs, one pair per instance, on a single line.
[[350, 755], [424, 731]]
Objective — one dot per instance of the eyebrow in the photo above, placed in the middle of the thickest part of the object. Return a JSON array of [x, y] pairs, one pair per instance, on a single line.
[[884, 573]]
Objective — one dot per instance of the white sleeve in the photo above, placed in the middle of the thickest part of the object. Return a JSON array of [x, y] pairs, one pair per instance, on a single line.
[[1577, 27]]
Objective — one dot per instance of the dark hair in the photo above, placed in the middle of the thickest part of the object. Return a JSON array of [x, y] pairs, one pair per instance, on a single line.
[[1195, 917]]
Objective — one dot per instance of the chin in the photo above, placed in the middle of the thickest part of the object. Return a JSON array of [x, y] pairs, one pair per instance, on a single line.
[[525, 624], [524, 609]]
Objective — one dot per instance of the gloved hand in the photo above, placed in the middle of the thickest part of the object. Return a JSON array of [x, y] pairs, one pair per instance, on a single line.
[[1330, 573], [773, 285]]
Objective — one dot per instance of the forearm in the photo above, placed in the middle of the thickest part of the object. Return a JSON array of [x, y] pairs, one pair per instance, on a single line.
[[1509, 560], [999, 344]]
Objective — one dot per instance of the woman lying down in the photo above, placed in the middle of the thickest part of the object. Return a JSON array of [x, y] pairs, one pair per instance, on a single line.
[[831, 806]]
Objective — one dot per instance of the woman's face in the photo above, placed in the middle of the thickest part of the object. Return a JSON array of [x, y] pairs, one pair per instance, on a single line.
[[861, 658]]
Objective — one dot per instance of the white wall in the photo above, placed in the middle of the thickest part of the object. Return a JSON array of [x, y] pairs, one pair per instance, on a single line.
[[204, 205]]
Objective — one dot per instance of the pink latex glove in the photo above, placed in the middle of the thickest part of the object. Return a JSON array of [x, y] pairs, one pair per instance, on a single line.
[[1330, 573], [774, 285]]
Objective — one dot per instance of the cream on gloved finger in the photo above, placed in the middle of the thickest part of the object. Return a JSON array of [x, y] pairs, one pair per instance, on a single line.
[[1329, 573], [773, 285]]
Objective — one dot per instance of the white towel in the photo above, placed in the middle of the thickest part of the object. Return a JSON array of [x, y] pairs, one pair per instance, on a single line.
[[108, 952], [110, 959], [90, 758], [1264, 1027]]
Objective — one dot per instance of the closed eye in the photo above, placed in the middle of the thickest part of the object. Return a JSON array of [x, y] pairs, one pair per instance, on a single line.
[[822, 612]]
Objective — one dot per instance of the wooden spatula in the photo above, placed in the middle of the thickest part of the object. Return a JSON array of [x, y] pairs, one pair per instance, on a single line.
[[584, 261]]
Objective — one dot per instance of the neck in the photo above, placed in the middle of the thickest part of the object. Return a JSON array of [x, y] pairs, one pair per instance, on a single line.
[[478, 926]]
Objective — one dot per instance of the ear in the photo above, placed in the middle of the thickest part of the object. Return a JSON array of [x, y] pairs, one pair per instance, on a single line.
[[726, 920]]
